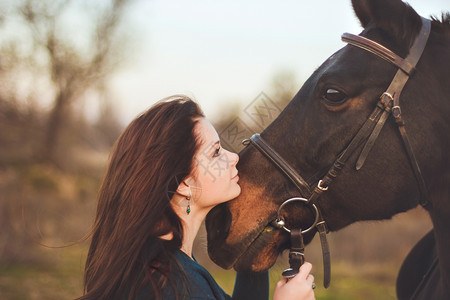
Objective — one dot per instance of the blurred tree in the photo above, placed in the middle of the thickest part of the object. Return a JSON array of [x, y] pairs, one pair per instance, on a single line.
[[59, 50], [283, 86], [55, 55]]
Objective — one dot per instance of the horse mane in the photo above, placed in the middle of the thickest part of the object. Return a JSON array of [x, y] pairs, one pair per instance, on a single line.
[[444, 23]]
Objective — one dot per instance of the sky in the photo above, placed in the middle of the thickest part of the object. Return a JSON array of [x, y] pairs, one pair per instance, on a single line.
[[221, 52]]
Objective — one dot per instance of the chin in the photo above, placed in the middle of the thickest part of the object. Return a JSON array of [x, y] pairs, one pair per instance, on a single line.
[[238, 191], [233, 192]]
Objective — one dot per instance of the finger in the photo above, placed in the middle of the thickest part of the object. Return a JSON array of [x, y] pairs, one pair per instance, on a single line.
[[300, 279], [281, 283], [305, 269]]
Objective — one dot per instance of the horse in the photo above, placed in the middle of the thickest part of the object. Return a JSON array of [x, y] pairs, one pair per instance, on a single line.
[[366, 137]]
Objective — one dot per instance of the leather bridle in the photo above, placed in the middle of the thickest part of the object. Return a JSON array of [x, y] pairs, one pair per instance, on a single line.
[[389, 103]]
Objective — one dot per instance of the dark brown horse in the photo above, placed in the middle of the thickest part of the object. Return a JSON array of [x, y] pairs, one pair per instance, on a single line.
[[390, 176]]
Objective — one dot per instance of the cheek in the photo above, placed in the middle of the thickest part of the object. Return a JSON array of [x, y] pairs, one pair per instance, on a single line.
[[217, 174], [211, 172], [220, 189], [214, 179], [217, 185]]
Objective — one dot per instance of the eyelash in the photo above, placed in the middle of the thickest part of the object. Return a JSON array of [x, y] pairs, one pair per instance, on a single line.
[[217, 152]]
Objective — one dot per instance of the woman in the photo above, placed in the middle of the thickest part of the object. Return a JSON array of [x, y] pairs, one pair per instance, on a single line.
[[166, 171]]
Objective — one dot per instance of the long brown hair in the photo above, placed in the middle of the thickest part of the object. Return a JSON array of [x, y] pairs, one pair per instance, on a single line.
[[150, 158]]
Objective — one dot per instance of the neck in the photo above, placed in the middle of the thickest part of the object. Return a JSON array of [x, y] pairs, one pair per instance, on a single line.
[[191, 225]]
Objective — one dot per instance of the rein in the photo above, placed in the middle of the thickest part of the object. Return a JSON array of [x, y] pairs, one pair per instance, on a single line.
[[389, 103]]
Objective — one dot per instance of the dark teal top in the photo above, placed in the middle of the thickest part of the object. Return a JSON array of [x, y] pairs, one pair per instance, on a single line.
[[201, 285]]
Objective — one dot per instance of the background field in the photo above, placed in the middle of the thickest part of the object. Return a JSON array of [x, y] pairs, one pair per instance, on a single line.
[[45, 205], [48, 204], [365, 262]]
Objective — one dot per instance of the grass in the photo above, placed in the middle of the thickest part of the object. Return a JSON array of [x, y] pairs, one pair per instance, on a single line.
[[59, 280], [348, 281], [355, 274], [63, 280]]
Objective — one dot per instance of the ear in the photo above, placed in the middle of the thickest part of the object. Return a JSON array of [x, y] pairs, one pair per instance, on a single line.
[[184, 188], [362, 11], [394, 16]]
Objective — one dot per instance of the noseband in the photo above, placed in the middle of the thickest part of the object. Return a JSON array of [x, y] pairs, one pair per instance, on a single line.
[[389, 103]]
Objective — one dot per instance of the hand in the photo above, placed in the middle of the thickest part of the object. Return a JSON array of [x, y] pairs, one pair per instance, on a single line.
[[300, 287]]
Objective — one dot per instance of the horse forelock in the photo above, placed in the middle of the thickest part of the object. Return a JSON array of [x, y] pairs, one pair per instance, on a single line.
[[442, 25]]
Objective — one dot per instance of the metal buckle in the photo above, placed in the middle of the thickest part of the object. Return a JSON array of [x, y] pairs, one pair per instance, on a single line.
[[386, 95], [320, 187], [396, 111], [296, 253]]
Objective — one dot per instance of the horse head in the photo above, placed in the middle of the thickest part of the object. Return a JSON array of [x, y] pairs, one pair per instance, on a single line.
[[319, 124]]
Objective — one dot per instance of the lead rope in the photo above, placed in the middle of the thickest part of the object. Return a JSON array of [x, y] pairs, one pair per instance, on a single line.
[[326, 257], [296, 254]]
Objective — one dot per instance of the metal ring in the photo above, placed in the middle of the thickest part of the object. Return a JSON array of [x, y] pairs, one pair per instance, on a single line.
[[281, 224]]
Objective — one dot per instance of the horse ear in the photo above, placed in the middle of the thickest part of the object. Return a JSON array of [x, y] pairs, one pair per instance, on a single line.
[[362, 12], [393, 16]]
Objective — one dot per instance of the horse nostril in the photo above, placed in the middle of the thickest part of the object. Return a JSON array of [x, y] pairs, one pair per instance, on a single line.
[[218, 222]]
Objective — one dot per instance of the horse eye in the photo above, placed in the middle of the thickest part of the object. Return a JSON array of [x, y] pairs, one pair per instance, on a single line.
[[334, 96]]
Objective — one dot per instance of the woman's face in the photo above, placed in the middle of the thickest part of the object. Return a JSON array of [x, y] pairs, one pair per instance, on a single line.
[[216, 177]]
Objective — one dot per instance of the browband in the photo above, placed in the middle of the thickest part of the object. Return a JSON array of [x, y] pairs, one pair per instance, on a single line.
[[408, 64]]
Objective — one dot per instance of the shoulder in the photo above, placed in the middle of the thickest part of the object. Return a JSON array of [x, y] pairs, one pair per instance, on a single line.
[[193, 281], [189, 280]]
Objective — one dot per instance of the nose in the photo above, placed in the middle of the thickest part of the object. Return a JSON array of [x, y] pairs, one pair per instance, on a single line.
[[235, 160]]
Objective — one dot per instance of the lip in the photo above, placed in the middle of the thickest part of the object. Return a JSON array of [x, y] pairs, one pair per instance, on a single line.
[[235, 177]]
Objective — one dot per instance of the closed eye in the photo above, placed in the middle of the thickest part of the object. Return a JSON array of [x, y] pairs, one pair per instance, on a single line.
[[334, 97]]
